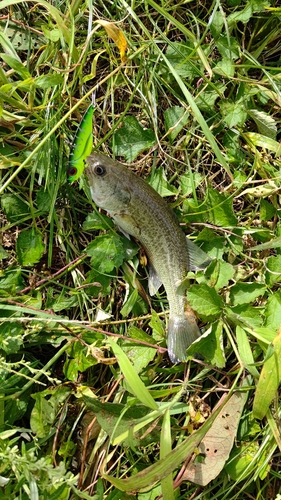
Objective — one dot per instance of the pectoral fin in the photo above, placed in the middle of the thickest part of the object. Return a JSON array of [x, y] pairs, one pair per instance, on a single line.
[[198, 259], [154, 281]]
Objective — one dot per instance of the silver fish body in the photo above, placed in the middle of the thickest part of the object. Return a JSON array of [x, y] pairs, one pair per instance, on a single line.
[[141, 212]]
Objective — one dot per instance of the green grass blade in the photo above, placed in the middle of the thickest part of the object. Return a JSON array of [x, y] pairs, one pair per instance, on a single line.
[[136, 384]]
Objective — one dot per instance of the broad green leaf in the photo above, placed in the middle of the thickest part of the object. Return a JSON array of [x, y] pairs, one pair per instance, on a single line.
[[11, 337], [269, 380], [233, 112], [44, 412], [95, 220], [135, 383], [226, 67], [175, 119], [48, 81], [273, 311], [188, 182], [216, 23], [115, 419], [205, 301], [14, 207], [62, 301], [244, 293], [29, 247], [207, 98], [220, 207], [266, 124], [79, 359], [210, 345], [228, 47], [106, 252], [267, 210], [273, 270], [131, 139], [11, 280], [219, 273], [44, 200], [241, 459], [158, 180], [179, 56], [250, 316], [139, 355]]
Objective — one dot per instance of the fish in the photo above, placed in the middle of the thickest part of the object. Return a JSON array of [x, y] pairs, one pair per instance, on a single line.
[[139, 211]]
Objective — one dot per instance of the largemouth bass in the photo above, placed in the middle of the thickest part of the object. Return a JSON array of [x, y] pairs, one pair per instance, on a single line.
[[140, 211]]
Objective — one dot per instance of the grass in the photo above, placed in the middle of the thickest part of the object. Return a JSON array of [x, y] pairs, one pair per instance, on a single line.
[[188, 94]]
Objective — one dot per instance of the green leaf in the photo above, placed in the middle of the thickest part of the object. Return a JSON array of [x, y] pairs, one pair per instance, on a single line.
[[44, 200], [44, 412], [79, 360], [245, 351], [157, 179], [179, 56], [233, 113], [219, 273], [216, 24], [135, 383], [228, 47], [115, 419], [210, 345], [205, 301], [244, 293], [11, 280], [266, 124], [16, 65], [273, 311], [175, 118], [14, 207], [220, 208], [11, 337], [225, 67], [30, 247], [106, 252], [138, 354], [3, 253], [188, 182], [207, 98], [245, 314], [263, 141], [269, 380], [273, 270], [48, 81], [95, 220], [267, 210], [131, 139]]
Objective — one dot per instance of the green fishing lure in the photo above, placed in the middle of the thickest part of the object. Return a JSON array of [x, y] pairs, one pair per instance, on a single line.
[[82, 146]]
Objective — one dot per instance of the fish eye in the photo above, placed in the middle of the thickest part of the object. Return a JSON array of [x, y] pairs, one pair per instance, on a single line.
[[71, 171], [99, 170]]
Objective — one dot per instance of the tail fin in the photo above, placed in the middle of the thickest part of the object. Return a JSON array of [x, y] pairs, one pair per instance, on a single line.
[[182, 331]]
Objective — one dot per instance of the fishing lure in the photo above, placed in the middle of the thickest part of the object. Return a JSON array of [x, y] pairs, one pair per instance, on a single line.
[[82, 146]]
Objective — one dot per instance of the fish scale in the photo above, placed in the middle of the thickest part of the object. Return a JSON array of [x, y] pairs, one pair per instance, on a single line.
[[140, 211]]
